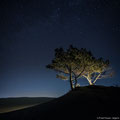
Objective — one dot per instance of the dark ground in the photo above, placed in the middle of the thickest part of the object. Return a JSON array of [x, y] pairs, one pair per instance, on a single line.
[[84, 103], [12, 104]]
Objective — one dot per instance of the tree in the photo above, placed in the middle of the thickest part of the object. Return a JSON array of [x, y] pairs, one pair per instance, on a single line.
[[82, 59], [74, 63], [70, 64], [62, 63], [98, 69]]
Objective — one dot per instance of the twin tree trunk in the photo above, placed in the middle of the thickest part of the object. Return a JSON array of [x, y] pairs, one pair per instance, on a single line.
[[71, 83], [93, 82], [90, 82]]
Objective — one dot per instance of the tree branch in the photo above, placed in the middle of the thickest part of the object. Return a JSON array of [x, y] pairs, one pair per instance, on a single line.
[[96, 78], [81, 72]]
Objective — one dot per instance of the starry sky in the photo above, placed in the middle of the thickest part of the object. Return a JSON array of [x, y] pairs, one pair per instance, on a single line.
[[30, 30]]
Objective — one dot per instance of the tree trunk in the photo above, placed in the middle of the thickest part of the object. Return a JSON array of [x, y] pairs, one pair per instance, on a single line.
[[75, 81], [96, 78], [90, 82], [71, 84]]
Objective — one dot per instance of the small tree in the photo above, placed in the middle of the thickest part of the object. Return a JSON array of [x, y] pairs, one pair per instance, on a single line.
[[98, 69]]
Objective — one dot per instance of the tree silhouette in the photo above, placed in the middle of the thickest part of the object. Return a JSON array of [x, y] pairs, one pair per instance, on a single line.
[[62, 63], [70, 64], [74, 63]]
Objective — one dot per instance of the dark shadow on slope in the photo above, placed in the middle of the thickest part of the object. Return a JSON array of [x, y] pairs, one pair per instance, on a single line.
[[12, 104], [84, 103]]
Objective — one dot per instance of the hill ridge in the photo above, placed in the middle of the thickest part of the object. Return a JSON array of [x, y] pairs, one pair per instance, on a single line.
[[87, 102]]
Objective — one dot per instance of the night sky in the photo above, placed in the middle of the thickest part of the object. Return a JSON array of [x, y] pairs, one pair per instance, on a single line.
[[30, 30]]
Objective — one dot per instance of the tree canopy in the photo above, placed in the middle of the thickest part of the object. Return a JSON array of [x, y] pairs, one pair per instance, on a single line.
[[75, 63]]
